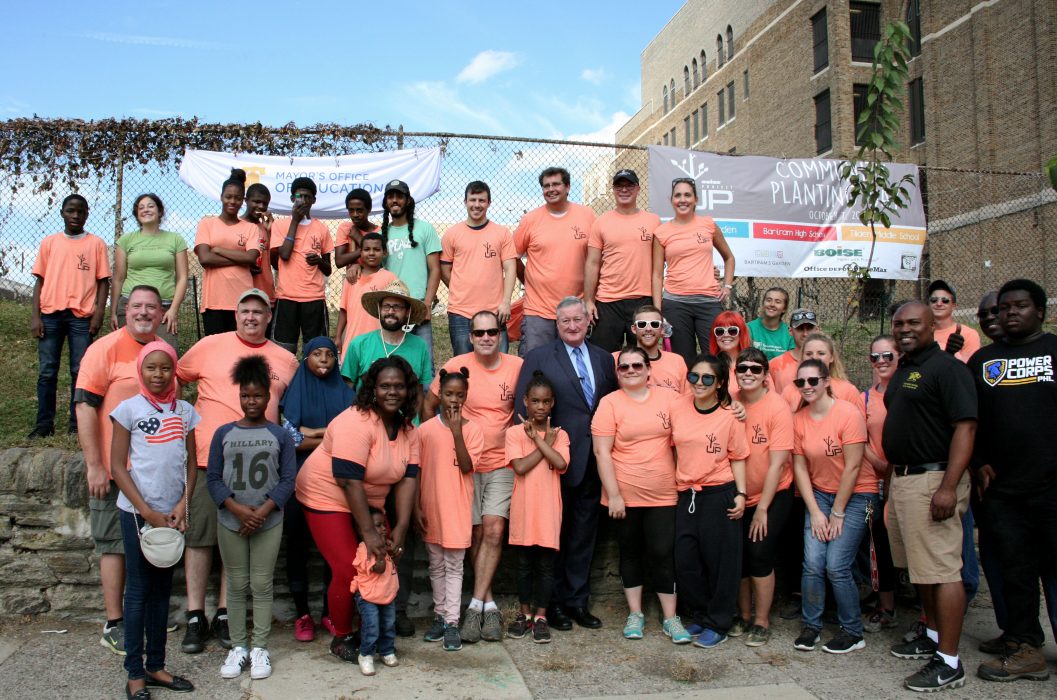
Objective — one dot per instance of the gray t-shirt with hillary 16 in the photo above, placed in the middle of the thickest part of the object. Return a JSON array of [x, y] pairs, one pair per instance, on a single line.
[[251, 465]]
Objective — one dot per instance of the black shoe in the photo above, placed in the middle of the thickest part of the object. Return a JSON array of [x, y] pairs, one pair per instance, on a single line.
[[936, 675], [558, 620], [71, 430], [346, 648], [404, 626], [177, 684], [220, 630], [808, 639], [196, 635], [844, 642], [917, 648], [143, 694], [584, 618], [41, 431]]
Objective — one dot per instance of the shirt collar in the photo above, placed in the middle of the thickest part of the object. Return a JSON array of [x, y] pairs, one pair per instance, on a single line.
[[920, 357]]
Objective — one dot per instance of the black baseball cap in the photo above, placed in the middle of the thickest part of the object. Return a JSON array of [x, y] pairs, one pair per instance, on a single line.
[[397, 185], [941, 284], [803, 317], [626, 174]]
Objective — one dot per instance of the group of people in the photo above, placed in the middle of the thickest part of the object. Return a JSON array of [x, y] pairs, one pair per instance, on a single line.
[[741, 449]]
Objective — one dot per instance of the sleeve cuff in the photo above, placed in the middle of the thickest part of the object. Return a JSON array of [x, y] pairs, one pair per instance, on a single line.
[[347, 469], [85, 396], [411, 472]]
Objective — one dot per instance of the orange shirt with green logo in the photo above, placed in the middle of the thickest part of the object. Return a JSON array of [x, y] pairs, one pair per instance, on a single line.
[[688, 254], [299, 281], [555, 248], [69, 268], [476, 257], [642, 446], [768, 426], [536, 505], [626, 242], [222, 286], [705, 444], [822, 443]]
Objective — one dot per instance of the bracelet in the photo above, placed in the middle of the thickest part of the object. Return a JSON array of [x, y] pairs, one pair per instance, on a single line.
[[835, 514], [291, 239], [728, 286]]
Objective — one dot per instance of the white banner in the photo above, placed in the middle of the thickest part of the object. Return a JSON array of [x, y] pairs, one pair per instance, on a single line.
[[335, 176]]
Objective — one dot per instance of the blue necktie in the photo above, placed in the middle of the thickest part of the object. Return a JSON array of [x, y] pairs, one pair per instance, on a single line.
[[585, 376]]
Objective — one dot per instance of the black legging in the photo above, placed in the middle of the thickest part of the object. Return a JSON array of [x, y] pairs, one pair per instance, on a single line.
[[535, 576], [646, 537]]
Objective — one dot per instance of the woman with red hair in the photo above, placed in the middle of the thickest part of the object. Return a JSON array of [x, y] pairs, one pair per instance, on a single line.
[[730, 335]]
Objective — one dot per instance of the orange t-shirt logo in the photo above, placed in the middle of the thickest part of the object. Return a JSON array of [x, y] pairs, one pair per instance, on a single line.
[[666, 421], [489, 251], [702, 238], [833, 447], [242, 240], [758, 438], [82, 262], [578, 233], [504, 392], [317, 244], [713, 446], [644, 234]]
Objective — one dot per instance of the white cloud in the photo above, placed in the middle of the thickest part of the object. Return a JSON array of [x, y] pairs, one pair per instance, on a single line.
[[487, 64], [593, 75], [436, 98], [12, 106], [145, 40], [606, 133]]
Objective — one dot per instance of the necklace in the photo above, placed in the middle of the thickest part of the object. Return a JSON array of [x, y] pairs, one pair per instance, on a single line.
[[395, 347]]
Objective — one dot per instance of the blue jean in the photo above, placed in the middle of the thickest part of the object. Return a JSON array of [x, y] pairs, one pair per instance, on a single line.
[[147, 590], [459, 333], [424, 330], [970, 567], [377, 627], [833, 560], [59, 326]]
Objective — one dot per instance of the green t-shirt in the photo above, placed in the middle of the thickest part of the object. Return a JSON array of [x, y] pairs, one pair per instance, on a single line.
[[151, 259], [407, 263], [364, 349], [772, 343]]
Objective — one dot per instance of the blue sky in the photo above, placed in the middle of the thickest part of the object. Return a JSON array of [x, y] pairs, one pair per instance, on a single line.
[[549, 70]]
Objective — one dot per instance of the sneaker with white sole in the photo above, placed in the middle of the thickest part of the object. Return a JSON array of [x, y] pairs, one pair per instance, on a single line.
[[808, 639], [236, 661], [366, 665], [673, 629], [114, 638], [633, 625], [936, 675], [260, 664], [844, 642], [390, 660]]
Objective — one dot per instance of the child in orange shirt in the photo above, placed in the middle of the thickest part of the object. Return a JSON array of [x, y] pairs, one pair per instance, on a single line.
[[72, 277], [374, 586], [353, 319], [536, 505], [451, 446]]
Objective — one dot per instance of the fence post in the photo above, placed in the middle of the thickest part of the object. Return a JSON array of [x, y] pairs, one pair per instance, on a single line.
[[119, 224], [400, 138]]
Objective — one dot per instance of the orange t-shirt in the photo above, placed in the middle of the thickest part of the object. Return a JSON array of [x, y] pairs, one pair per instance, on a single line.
[[705, 443], [373, 587], [688, 254], [70, 267], [265, 279], [356, 436], [842, 389], [299, 281], [642, 446], [489, 403], [972, 340], [768, 426], [343, 236], [555, 248], [476, 257], [668, 371], [209, 362], [222, 286], [876, 412], [782, 371], [445, 494], [626, 242], [108, 369], [536, 506], [822, 443], [357, 320]]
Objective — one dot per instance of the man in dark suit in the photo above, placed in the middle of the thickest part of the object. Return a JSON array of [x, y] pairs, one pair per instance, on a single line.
[[581, 374]]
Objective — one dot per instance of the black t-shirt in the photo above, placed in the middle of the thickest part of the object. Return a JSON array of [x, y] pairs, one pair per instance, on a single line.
[[1018, 414], [929, 392]]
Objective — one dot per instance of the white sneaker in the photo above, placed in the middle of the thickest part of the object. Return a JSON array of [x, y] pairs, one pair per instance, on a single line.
[[390, 660], [366, 665], [260, 664], [236, 661]]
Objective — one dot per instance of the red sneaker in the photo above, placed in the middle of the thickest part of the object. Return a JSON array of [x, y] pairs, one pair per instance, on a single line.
[[329, 626], [304, 629]]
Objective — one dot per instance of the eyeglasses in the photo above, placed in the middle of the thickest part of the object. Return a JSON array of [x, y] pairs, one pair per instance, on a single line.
[[745, 369], [394, 307], [940, 300], [984, 313], [887, 356], [625, 366], [482, 332], [803, 316], [732, 331], [706, 379], [642, 325], [799, 382]]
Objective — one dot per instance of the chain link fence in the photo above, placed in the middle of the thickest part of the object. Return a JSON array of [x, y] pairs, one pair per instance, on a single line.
[[984, 227]]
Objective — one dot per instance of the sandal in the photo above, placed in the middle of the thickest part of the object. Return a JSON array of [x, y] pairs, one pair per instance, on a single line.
[[178, 684]]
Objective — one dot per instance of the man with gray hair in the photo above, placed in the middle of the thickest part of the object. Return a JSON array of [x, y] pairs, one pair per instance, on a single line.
[[581, 374]]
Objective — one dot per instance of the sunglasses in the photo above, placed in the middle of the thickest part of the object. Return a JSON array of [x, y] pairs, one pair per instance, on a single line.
[[745, 369], [643, 325], [940, 300], [992, 311], [887, 356], [803, 316], [684, 181], [810, 381], [732, 331], [706, 379], [625, 366], [482, 332]]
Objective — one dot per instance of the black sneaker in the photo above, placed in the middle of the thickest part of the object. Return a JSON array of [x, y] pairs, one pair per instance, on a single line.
[[844, 642], [197, 634], [541, 631], [918, 648], [436, 631], [808, 639], [220, 630], [521, 626], [346, 648], [936, 675], [404, 626], [41, 431]]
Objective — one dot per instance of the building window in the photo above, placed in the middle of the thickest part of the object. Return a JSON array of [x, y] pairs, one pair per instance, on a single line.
[[664, 93], [722, 108], [704, 66], [865, 30], [666, 139], [697, 74], [745, 89], [820, 36], [913, 19], [686, 80], [671, 91], [859, 92], [730, 43], [686, 132], [719, 50], [823, 127], [704, 121], [672, 135], [730, 99], [916, 91], [697, 126]]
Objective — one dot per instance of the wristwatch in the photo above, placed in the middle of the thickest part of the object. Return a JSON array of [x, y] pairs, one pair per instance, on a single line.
[[742, 494]]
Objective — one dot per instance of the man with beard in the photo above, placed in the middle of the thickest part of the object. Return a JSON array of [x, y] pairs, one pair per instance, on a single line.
[[107, 377], [1018, 470]]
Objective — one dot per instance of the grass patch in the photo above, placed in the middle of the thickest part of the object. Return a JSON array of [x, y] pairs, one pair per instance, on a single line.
[[558, 663], [687, 671]]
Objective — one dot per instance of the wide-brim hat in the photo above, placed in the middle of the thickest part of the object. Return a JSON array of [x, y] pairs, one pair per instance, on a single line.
[[398, 289]]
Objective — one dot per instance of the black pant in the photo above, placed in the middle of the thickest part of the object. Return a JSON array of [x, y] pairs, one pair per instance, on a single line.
[[535, 575], [708, 555], [304, 319], [646, 537], [215, 321], [886, 570], [298, 542], [791, 548], [613, 329], [691, 326], [1024, 532], [572, 566]]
